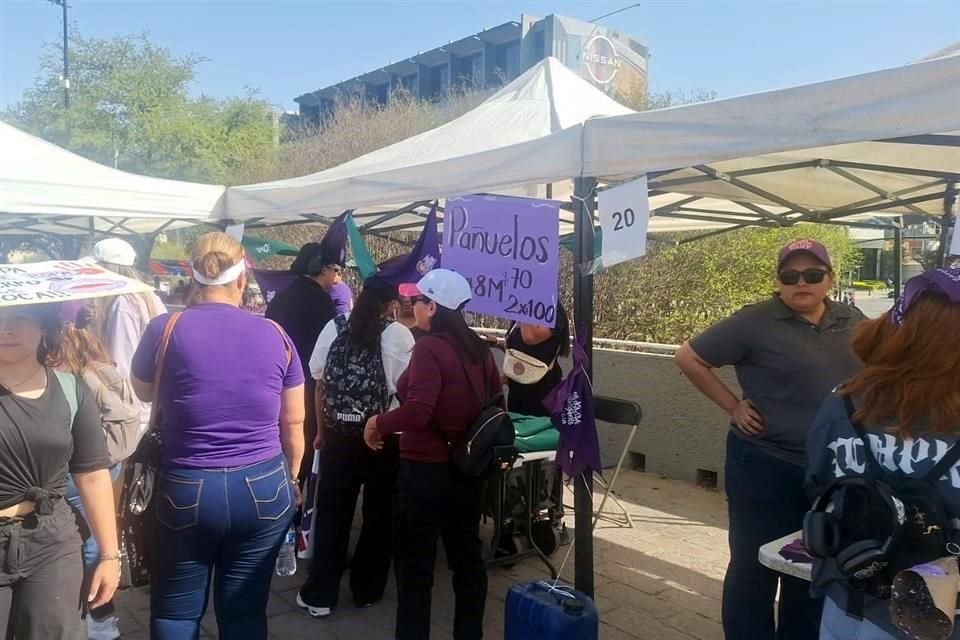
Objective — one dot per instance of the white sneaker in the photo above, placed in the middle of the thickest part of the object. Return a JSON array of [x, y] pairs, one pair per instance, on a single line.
[[315, 612], [102, 630]]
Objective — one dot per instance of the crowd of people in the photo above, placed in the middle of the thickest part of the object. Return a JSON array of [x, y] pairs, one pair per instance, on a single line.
[[382, 388]]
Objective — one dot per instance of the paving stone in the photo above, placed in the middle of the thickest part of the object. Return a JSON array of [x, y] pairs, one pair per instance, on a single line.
[[660, 580]]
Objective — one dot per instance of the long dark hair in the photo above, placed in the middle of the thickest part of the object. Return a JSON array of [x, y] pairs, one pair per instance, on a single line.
[[451, 324], [366, 320]]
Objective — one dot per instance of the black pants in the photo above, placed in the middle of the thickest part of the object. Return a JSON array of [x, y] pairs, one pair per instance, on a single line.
[[433, 501], [346, 464], [766, 502], [41, 576]]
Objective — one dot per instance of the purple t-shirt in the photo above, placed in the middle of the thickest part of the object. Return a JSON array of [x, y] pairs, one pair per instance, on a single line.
[[220, 387], [342, 298]]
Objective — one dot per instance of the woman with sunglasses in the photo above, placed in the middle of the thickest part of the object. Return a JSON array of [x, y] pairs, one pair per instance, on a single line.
[[789, 352], [450, 369]]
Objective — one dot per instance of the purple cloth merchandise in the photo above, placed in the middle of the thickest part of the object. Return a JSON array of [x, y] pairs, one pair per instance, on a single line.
[[220, 386], [571, 411], [796, 552], [273, 282], [333, 246], [424, 257], [342, 297], [940, 281]]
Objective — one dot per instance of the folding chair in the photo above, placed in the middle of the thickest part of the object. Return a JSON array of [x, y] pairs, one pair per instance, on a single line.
[[622, 412]]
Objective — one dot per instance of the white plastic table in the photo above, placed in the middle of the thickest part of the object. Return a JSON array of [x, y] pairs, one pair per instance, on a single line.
[[770, 557]]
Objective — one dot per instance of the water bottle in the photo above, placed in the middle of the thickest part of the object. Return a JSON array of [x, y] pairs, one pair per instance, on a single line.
[[287, 558]]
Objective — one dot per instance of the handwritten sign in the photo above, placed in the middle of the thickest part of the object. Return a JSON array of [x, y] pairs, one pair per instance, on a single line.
[[507, 248], [61, 280], [624, 217]]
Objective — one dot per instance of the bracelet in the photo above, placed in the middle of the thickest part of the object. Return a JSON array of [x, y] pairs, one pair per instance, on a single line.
[[106, 557]]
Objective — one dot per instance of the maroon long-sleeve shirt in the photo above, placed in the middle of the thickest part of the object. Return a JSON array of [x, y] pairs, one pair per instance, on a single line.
[[434, 388]]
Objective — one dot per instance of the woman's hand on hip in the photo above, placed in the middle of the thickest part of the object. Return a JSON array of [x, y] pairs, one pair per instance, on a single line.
[[746, 417], [104, 582], [371, 435]]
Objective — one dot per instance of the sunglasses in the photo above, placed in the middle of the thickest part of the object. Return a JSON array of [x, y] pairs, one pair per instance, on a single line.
[[810, 276], [423, 299]]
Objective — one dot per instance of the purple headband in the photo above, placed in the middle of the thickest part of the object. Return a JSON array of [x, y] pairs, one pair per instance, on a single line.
[[942, 281]]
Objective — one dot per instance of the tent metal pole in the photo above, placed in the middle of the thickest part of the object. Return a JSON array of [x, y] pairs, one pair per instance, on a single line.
[[949, 199], [583, 200], [897, 261]]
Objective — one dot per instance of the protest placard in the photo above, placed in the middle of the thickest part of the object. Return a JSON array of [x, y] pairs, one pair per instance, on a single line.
[[61, 280], [507, 248]]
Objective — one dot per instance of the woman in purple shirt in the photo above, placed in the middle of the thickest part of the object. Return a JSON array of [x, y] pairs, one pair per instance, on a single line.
[[231, 420]]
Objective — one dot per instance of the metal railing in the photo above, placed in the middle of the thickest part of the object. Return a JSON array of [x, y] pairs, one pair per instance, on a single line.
[[627, 346]]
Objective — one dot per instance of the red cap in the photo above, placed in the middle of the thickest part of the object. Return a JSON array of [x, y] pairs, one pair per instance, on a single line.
[[812, 247]]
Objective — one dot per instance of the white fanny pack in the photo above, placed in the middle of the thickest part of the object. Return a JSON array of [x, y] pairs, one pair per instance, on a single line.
[[523, 368]]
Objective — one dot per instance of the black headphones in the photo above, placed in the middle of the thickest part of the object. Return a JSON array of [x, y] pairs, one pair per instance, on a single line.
[[822, 534]]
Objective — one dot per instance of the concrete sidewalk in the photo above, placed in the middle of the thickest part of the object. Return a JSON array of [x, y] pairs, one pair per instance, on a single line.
[[658, 581]]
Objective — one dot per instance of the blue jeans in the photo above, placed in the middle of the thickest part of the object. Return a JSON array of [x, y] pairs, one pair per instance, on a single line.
[[224, 523], [766, 501]]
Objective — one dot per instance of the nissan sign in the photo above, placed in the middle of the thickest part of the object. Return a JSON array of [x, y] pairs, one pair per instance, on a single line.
[[601, 60]]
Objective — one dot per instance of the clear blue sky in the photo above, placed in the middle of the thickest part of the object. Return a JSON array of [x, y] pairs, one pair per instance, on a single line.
[[286, 47]]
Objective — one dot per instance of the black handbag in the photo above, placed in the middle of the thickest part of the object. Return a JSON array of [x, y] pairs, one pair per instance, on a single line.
[[489, 438], [137, 515], [137, 521]]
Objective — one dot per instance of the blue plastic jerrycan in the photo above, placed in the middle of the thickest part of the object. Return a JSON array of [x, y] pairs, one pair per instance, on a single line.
[[538, 610]]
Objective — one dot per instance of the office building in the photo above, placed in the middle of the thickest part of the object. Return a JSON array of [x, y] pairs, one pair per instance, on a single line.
[[611, 60]]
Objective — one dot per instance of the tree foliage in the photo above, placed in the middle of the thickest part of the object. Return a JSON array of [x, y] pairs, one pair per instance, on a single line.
[[130, 106]]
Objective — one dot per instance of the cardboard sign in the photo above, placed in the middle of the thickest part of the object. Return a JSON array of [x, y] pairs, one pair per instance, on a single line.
[[624, 218], [507, 248], [61, 280]]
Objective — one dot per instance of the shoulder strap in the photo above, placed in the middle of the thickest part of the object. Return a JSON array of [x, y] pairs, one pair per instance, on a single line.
[[158, 368], [68, 382], [287, 351], [486, 396], [946, 463]]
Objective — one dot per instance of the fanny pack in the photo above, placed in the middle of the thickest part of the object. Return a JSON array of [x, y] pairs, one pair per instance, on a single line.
[[525, 369]]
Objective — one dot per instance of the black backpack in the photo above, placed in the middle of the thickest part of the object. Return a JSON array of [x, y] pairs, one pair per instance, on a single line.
[[354, 384], [882, 523], [488, 439]]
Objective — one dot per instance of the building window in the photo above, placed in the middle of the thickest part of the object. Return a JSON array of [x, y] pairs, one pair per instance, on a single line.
[[476, 71], [539, 50]]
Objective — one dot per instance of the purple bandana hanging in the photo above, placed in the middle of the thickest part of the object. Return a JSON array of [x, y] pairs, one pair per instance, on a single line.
[[571, 410], [939, 281]]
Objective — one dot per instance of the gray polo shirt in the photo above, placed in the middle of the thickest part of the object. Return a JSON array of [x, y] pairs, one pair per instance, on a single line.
[[785, 365]]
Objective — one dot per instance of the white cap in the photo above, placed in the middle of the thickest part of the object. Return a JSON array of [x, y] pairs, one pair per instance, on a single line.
[[115, 251], [447, 288]]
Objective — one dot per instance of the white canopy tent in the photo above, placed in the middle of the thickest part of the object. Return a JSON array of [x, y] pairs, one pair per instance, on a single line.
[[526, 135], [887, 141], [46, 189], [836, 151]]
